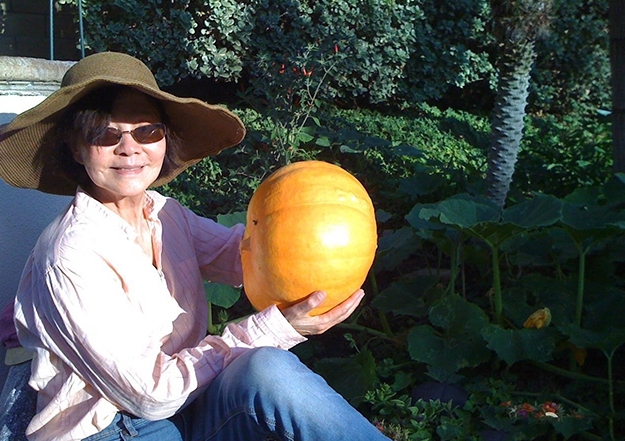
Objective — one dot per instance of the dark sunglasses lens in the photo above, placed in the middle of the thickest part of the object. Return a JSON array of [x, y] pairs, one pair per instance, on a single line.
[[149, 134], [111, 136]]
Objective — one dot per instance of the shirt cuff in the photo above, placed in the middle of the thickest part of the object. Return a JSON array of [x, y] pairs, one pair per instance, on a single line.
[[274, 323]]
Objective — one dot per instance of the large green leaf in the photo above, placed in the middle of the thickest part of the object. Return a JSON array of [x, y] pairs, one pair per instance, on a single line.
[[395, 247], [482, 219], [607, 340], [457, 316], [231, 219], [445, 355], [405, 297], [221, 295], [540, 211], [590, 217], [514, 345], [571, 425], [420, 215], [495, 233], [458, 345], [465, 212]]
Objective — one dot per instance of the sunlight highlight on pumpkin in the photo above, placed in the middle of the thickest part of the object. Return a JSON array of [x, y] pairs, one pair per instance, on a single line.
[[335, 236]]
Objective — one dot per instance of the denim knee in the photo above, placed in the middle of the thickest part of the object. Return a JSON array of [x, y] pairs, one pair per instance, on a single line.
[[269, 360], [267, 367]]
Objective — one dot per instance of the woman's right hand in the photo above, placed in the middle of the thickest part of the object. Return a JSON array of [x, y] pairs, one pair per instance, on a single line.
[[299, 316]]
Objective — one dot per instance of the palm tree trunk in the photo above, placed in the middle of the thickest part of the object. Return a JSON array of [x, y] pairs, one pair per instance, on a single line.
[[508, 119], [617, 61]]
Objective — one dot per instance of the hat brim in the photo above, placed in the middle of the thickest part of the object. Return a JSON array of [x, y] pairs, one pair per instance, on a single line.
[[26, 159]]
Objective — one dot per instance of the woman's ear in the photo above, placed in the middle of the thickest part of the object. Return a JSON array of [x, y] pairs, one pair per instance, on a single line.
[[77, 154]]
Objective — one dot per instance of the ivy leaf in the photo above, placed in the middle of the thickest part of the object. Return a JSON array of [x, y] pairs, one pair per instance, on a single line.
[[304, 137], [323, 141]]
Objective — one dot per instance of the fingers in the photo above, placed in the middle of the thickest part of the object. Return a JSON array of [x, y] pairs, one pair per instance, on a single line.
[[343, 310], [299, 315]]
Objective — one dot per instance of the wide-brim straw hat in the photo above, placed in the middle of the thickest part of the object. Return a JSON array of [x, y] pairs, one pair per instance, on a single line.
[[27, 161]]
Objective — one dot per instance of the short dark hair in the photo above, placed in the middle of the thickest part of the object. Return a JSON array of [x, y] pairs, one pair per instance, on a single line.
[[87, 119]]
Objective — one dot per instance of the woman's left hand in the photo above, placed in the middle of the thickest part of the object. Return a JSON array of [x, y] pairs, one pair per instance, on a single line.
[[299, 317]]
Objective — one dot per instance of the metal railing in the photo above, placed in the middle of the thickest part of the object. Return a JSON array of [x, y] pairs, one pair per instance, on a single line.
[[80, 28]]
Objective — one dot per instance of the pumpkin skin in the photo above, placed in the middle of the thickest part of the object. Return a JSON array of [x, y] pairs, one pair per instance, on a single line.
[[310, 226]]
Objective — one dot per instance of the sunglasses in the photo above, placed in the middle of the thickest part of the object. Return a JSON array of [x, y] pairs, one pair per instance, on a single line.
[[143, 135]]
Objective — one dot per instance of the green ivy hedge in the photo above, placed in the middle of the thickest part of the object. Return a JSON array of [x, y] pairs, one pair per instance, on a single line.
[[394, 52]]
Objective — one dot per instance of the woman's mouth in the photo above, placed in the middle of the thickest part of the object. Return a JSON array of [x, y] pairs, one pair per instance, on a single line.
[[128, 169]]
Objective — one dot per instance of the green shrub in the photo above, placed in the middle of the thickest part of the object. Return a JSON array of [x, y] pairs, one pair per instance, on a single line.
[[397, 53], [200, 39], [572, 69], [559, 155]]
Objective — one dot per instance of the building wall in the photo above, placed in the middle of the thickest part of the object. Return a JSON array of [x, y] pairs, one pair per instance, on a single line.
[[25, 30], [25, 213]]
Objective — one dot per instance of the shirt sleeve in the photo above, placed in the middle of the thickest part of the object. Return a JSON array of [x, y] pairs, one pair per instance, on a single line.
[[114, 343]]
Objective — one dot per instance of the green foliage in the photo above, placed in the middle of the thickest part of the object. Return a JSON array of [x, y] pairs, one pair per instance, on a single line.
[[588, 218], [397, 53], [564, 154], [199, 39], [385, 52], [573, 64], [453, 340], [402, 419]]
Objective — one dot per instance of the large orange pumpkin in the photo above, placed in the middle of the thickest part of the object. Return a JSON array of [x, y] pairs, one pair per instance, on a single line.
[[310, 226]]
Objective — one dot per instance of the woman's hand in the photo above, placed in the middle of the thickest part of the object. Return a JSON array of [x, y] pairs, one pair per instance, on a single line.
[[299, 317]]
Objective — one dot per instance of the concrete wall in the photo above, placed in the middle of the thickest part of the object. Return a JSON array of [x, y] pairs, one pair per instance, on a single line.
[[24, 214]]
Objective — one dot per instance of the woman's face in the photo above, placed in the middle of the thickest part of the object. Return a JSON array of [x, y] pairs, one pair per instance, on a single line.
[[128, 168]]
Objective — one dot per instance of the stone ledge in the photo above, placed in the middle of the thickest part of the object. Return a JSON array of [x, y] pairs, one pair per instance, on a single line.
[[20, 71]]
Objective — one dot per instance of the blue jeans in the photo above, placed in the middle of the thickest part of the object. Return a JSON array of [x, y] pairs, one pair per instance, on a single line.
[[265, 394]]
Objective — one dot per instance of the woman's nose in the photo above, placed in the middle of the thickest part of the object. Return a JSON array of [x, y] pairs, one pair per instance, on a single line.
[[127, 145]]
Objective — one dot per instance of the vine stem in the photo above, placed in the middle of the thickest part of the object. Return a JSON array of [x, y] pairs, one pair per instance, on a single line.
[[388, 332], [210, 317], [372, 331], [497, 288], [569, 374], [610, 357], [579, 307]]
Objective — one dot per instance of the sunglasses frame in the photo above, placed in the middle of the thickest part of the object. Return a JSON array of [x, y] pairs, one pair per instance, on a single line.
[[160, 127]]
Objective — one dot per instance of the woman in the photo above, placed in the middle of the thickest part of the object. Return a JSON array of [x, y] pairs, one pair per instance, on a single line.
[[111, 300]]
